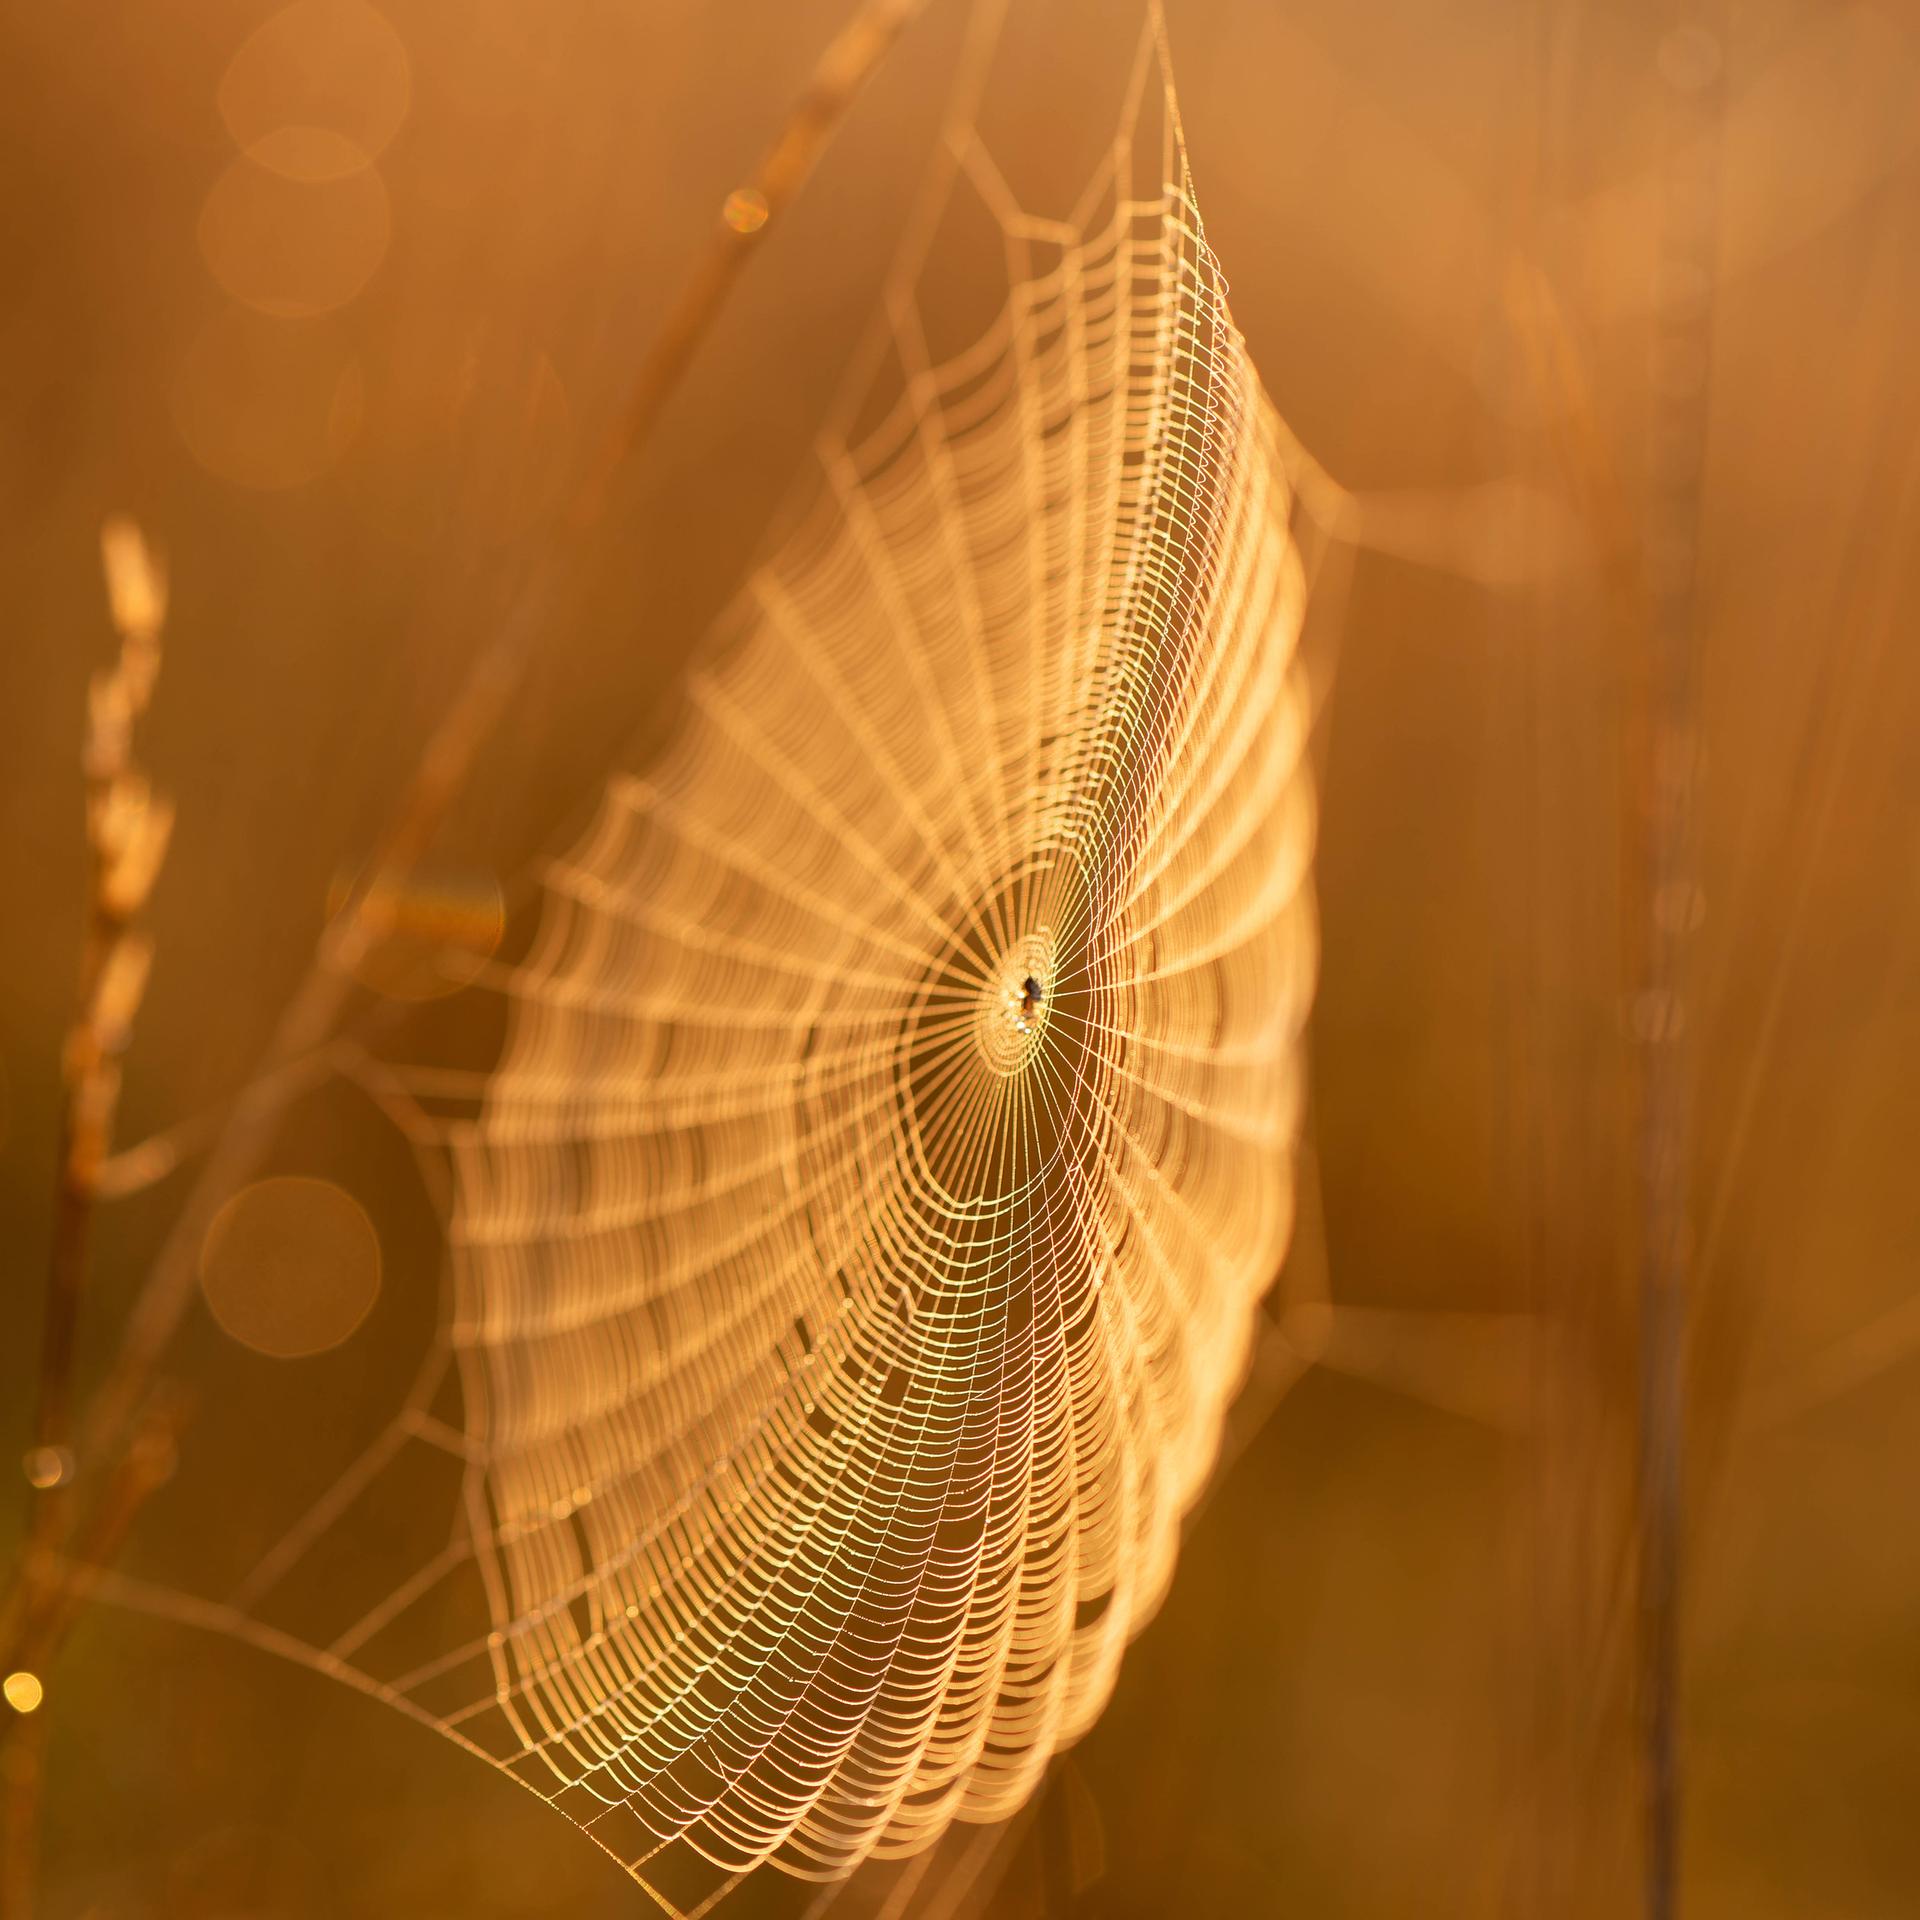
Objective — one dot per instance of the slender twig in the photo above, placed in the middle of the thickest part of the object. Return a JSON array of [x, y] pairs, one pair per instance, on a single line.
[[127, 831], [1664, 755], [813, 119], [146, 1465], [475, 712], [61, 1586], [23, 1761], [1649, 587], [122, 1412], [148, 1162]]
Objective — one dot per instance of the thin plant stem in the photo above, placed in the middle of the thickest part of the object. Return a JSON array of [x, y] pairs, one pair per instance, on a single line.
[[475, 712], [113, 1439], [23, 1766], [1663, 766], [50, 1604], [747, 214], [127, 831]]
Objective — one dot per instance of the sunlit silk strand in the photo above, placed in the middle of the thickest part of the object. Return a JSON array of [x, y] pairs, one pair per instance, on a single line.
[[860, 1238]]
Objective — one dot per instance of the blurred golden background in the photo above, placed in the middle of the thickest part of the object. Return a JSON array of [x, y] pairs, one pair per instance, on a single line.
[[336, 301]]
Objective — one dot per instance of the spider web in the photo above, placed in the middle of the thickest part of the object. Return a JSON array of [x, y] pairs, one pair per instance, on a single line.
[[857, 1245]]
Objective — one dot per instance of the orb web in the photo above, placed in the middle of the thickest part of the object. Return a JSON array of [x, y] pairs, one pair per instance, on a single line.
[[858, 1242]]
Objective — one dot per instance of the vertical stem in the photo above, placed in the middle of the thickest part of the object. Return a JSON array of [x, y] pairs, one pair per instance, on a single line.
[[1666, 752], [66, 1273], [127, 830], [842, 70], [477, 708], [48, 1470], [23, 1760], [23, 1745], [123, 1443], [90, 1083]]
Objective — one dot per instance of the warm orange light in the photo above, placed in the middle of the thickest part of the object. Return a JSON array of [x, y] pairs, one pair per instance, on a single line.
[[746, 210], [294, 247], [23, 1691], [264, 405], [290, 1266], [318, 67], [47, 1467]]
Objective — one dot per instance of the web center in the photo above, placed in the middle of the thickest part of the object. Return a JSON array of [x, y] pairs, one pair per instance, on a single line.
[[1015, 1002]]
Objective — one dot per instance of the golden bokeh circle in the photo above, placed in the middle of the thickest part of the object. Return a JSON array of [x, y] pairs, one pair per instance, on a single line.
[[293, 247], [290, 1266], [47, 1467], [264, 405], [332, 66], [24, 1691]]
